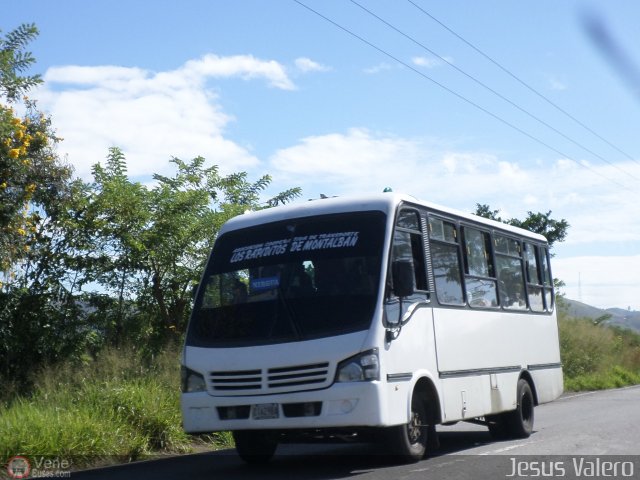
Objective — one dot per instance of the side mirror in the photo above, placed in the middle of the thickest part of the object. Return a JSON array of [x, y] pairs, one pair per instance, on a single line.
[[404, 284]]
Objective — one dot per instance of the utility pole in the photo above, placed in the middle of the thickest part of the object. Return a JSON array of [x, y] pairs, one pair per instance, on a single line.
[[580, 287]]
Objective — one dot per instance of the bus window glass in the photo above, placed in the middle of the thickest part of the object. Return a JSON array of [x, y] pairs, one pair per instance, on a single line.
[[546, 271], [534, 286], [481, 288], [409, 219], [288, 281], [511, 283], [226, 289], [446, 272], [548, 298], [535, 298], [441, 230], [507, 246], [532, 264], [445, 259], [476, 244], [481, 292], [547, 279], [408, 246]]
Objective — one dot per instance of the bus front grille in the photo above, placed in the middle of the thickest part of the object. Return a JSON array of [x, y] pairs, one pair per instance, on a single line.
[[272, 380]]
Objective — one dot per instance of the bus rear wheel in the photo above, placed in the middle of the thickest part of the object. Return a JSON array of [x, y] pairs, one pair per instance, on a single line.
[[519, 423], [408, 442], [255, 447]]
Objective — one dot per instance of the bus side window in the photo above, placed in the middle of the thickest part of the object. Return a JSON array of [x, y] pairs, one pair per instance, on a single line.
[[445, 259], [509, 271], [407, 245], [547, 279], [479, 273], [534, 285]]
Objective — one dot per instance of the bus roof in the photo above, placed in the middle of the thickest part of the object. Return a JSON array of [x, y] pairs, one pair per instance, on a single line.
[[385, 202]]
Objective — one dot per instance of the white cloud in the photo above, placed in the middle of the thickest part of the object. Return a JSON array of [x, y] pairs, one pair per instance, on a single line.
[[105, 74], [151, 116], [430, 62], [244, 66], [556, 83], [306, 65], [381, 67], [355, 161], [426, 62]]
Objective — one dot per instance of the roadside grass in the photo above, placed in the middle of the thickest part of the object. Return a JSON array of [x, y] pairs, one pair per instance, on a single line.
[[597, 357], [119, 406]]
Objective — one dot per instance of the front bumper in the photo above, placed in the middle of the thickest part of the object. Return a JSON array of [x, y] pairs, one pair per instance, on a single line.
[[356, 404]]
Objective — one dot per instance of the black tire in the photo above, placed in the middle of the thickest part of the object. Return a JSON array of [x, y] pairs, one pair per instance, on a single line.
[[519, 422], [255, 447], [408, 442]]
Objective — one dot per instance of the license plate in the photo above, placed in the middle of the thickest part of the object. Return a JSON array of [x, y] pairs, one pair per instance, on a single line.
[[265, 411]]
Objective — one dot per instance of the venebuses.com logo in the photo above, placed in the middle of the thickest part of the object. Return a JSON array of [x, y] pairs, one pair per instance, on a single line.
[[20, 466]]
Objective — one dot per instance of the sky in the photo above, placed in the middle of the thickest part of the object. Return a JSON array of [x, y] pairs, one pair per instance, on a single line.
[[524, 106]]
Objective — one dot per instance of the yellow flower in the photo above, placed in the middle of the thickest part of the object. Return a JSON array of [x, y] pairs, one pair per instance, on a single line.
[[3, 185], [21, 231], [14, 153], [31, 188]]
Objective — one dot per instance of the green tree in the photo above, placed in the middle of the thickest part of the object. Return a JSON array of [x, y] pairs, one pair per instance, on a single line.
[[33, 181], [542, 223], [150, 243], [39, 322], [14, 60]]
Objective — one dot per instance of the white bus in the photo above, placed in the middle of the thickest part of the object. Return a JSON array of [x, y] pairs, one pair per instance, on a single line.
[[371, 317]]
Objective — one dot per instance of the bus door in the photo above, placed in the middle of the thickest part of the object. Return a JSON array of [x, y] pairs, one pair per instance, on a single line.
[[409, 336]]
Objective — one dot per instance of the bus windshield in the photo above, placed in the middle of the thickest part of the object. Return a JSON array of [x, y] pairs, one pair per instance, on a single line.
[[288, 281]]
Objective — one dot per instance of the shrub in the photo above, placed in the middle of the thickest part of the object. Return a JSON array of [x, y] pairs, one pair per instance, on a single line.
[[596, 356]]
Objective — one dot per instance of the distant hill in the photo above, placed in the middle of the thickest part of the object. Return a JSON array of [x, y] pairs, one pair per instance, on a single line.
[[618, 316]]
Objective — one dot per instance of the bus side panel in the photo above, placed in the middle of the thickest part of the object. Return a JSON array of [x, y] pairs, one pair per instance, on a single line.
[[481, 339], [478, 395], [481, 353], [549, 384]]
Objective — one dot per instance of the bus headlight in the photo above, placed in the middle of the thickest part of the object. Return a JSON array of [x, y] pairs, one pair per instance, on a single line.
[[192, 381], [360, 368]]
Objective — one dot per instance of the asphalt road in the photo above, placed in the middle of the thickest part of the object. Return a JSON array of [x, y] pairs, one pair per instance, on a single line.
[[583, 435]]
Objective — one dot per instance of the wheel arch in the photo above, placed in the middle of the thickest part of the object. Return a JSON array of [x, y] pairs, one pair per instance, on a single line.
[[526, 375], [425, 388]]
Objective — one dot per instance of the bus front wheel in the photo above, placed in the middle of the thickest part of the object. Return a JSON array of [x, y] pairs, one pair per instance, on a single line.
[[255, 447], [409, 441]]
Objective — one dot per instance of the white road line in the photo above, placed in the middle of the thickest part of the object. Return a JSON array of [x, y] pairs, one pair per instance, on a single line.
[[506, 449]]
